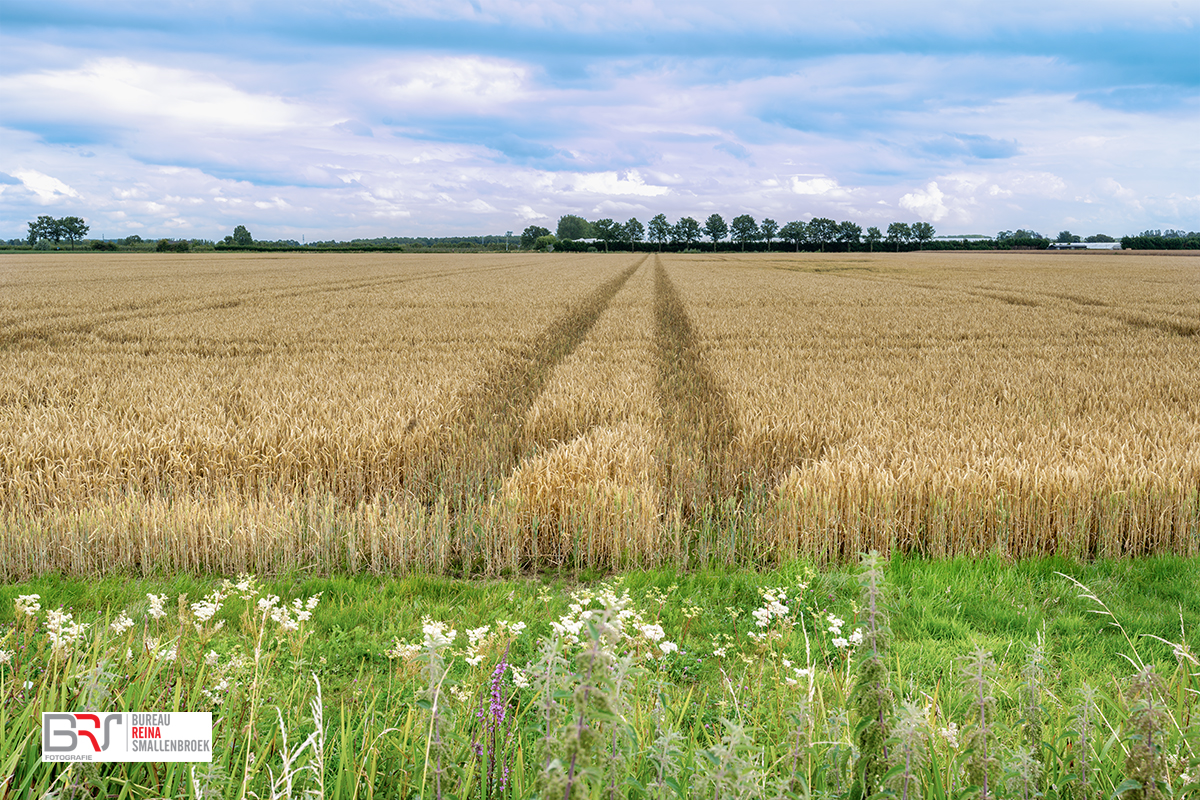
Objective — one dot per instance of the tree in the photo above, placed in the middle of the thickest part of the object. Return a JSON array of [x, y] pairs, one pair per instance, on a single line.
[[573, 227], [923, 232], [822, 231], [769, 228], [715, 229], [873, 237], [634, 231], [72, 229], [606, 231], [849, 233], [687, 231], [242, 237], [794, 232], [745, 229], [660, 230], [44, 227], [898, 233], [529, 236], [1066, 237], [1100, 237]]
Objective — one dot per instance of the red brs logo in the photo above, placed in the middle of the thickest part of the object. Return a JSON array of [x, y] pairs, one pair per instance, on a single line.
[[72, 733]]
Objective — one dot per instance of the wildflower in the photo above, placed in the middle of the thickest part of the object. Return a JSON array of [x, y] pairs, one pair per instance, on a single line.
[[520, 680], [206, 609], [438, 634], [403, 650], [835, 624], [856, 638], [266, 604], [121, 624], [668, 647], [950, 734], [211, 658], [63, 630], [652, 632], [156, 605], [312, 601], [840, 643], [28, 604], [7, 655]]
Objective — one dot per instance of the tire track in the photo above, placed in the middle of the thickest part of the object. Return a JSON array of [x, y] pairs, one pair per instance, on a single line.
[[486, 442], [697, 415]]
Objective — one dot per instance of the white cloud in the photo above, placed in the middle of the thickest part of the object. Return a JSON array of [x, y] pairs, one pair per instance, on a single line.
[[46, 187], [465, 83], [629, 182], [123, 93], [926, 203], [817, 186]]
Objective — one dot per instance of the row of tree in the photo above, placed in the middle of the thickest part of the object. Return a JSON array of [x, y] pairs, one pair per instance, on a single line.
[[743, 230], [49, 229]]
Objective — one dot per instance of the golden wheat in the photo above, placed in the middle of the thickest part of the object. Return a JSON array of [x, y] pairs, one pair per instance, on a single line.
[[382, 412]]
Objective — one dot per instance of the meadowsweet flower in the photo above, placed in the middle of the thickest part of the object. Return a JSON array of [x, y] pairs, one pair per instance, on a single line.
[[156, 605], [668, 647], [63, 630], [311, 603], [205, 610], [835, 624], [840, 643], [402, 650], [950, 734], [856, 638], [654, 633], [520, 680], [121, 624], [265, 604], [211, 658], [28, 604], [6, 657]]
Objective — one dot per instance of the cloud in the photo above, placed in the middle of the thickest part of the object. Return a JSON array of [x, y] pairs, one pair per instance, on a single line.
[[926, 203], [122, 93], [46, 187], [614, 183], [818, 186]]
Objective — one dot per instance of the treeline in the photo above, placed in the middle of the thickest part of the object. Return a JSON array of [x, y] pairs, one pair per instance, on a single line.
[[1162, 240], [744, 232]]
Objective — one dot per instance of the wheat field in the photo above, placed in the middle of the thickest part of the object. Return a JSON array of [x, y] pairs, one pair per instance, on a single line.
[[489, 413]]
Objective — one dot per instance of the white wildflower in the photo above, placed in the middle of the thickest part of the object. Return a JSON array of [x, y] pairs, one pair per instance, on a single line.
[[652, 632], [402, 650], [840, 643], [6, 657], [156, 605], [63, 630], [438, 635], [950, 734], [121, 624], [856, 638], [519, 679], [668, 647], [28, 604], [211, 658]]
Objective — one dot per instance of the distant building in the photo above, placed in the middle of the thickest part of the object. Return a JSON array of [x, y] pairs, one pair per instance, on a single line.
[[1084, 246]]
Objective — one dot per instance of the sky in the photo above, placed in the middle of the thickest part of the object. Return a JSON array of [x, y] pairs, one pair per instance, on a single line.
[[315, 120]]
